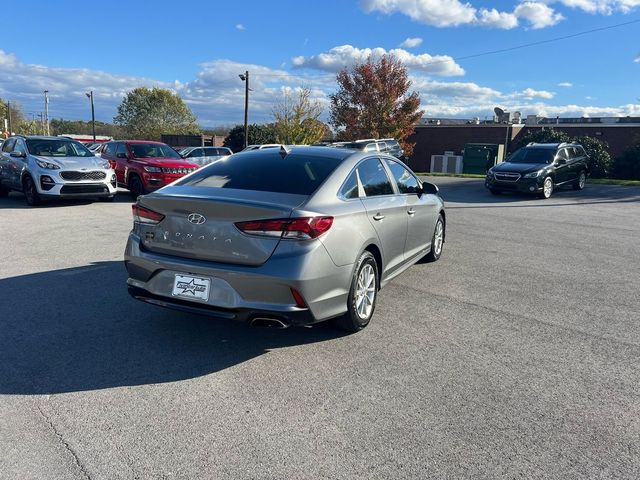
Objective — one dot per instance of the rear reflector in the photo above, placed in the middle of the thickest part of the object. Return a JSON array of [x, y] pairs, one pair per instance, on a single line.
[[144, 215], [298, 298], [302, 228]]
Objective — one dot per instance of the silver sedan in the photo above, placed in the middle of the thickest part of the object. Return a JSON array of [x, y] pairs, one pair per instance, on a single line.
[[287, 236]]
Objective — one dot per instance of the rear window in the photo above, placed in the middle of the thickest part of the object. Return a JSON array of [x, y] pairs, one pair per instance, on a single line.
[[295, 174]]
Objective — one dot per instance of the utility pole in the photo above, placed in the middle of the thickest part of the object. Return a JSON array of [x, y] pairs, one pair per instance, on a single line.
[[245, 79], [93, 114], [41, 117], [9, 117], [46, 110]]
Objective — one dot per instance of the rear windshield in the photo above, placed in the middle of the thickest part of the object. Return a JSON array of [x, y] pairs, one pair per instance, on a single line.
[[533, 155], [296, 174], [153, 150]]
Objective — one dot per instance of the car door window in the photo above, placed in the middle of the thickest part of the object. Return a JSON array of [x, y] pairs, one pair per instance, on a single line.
[[20, 147], [109, 149], [563, 154], [405, 181], [8, 145], [122, 148], [350, 187], [374, 178]]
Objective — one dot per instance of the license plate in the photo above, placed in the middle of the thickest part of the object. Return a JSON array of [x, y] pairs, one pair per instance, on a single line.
[[187, 286]]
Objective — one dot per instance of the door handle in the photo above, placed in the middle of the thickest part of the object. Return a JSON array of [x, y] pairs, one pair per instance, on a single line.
[[378, 217], [411, 211]]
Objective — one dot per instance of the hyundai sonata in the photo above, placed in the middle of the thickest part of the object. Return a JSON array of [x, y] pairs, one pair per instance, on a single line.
[[283, 236]]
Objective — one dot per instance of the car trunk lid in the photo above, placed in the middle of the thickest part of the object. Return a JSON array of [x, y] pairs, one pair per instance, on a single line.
[[200, 223]]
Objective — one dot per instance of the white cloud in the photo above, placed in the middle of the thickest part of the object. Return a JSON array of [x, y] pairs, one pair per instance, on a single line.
[[637, 59], [604, 7], [411, 42], [346, 55], [496, 19], [538, 14], [451, 13], [240, 27], [565, 84], [439, 13], [530, 94]]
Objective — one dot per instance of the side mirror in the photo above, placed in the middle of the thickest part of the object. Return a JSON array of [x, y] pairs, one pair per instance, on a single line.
[[561, 161], [429, 188], [18, 154]]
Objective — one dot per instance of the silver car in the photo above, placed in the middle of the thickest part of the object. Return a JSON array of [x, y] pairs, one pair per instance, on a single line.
[[287, 236], [53, 167], [202, 156]]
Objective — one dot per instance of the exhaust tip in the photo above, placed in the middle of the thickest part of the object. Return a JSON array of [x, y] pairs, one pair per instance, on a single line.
[[268, 323]]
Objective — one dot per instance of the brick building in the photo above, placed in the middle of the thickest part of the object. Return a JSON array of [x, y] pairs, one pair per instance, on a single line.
[[434, 137]]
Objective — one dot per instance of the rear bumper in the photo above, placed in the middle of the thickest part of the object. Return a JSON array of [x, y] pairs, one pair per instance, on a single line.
[[245, 292]]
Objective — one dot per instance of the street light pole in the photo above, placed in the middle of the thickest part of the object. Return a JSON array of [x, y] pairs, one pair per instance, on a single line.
[[245, 79], [93, 114], [46, 110]]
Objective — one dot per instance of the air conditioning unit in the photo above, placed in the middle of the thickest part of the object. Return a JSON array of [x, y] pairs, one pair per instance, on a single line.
[[446, 163]]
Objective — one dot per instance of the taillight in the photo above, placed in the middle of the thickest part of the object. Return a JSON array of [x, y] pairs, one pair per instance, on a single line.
[[302, 228], [298, 298], [144, 215]]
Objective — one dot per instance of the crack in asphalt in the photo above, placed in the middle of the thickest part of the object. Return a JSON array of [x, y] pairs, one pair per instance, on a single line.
[[64, 443]]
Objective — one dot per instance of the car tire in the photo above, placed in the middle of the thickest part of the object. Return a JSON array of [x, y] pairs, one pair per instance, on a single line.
[[581, 181], [136, 187], [547, 188], [30, 191], [363, 294], [495, 191], [437, 241], [4, 192]]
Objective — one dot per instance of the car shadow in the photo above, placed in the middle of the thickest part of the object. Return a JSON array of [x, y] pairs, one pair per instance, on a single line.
[[472, 191], [16, 200], [77, 329]]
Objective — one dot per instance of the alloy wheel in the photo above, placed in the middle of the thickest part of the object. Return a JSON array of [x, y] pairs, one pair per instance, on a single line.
[[365, 291], [438, 238], [547, 189]]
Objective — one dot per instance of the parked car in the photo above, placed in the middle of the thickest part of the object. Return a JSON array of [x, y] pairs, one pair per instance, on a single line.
[[261, 147], [283, 236], [53, 167], [143, 166], [391, 146], [368, 145], [204, 155], [540, 168]]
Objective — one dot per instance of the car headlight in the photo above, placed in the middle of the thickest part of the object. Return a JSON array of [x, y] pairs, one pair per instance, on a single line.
[[47, 165], [151, 169], [106, 165], [490, 172], [533, 174]]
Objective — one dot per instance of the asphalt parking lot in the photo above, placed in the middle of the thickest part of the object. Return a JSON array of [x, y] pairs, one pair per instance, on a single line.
[[517, 355]]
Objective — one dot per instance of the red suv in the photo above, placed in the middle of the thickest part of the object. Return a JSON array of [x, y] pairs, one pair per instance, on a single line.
[[143, 166]]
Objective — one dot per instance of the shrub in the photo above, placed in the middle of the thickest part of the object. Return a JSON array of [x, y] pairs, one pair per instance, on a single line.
[[627, 166]]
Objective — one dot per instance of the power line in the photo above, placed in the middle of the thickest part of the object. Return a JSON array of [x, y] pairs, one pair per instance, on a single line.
[[482, 54]]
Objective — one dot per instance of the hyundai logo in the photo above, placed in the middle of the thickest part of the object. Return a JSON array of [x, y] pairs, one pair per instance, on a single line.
[[196, 218]]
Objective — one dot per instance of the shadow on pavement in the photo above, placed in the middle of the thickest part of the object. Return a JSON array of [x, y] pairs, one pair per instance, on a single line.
[[472, 191], [77, 329], [16, 200]]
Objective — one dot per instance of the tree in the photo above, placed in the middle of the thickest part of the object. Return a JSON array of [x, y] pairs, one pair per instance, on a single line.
[[148, 113], [60, 126], [627, 166], [372, 101], [258, 134], [17, 117], [297, 119], [542, 135], [600, 161]]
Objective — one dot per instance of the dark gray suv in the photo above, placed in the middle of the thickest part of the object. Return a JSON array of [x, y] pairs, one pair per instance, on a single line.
[[540, 168]]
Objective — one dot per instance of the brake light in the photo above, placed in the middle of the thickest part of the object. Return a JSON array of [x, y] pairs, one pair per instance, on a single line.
[[302, 228], [298, 298], [144, 215]]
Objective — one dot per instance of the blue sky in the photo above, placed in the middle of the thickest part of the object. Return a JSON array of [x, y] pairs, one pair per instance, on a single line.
[[198, 48]]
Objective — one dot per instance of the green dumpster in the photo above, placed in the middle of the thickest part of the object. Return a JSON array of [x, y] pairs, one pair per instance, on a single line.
[[479, 157]]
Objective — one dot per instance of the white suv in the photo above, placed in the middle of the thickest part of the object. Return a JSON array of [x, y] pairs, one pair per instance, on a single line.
[[59, 167]]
